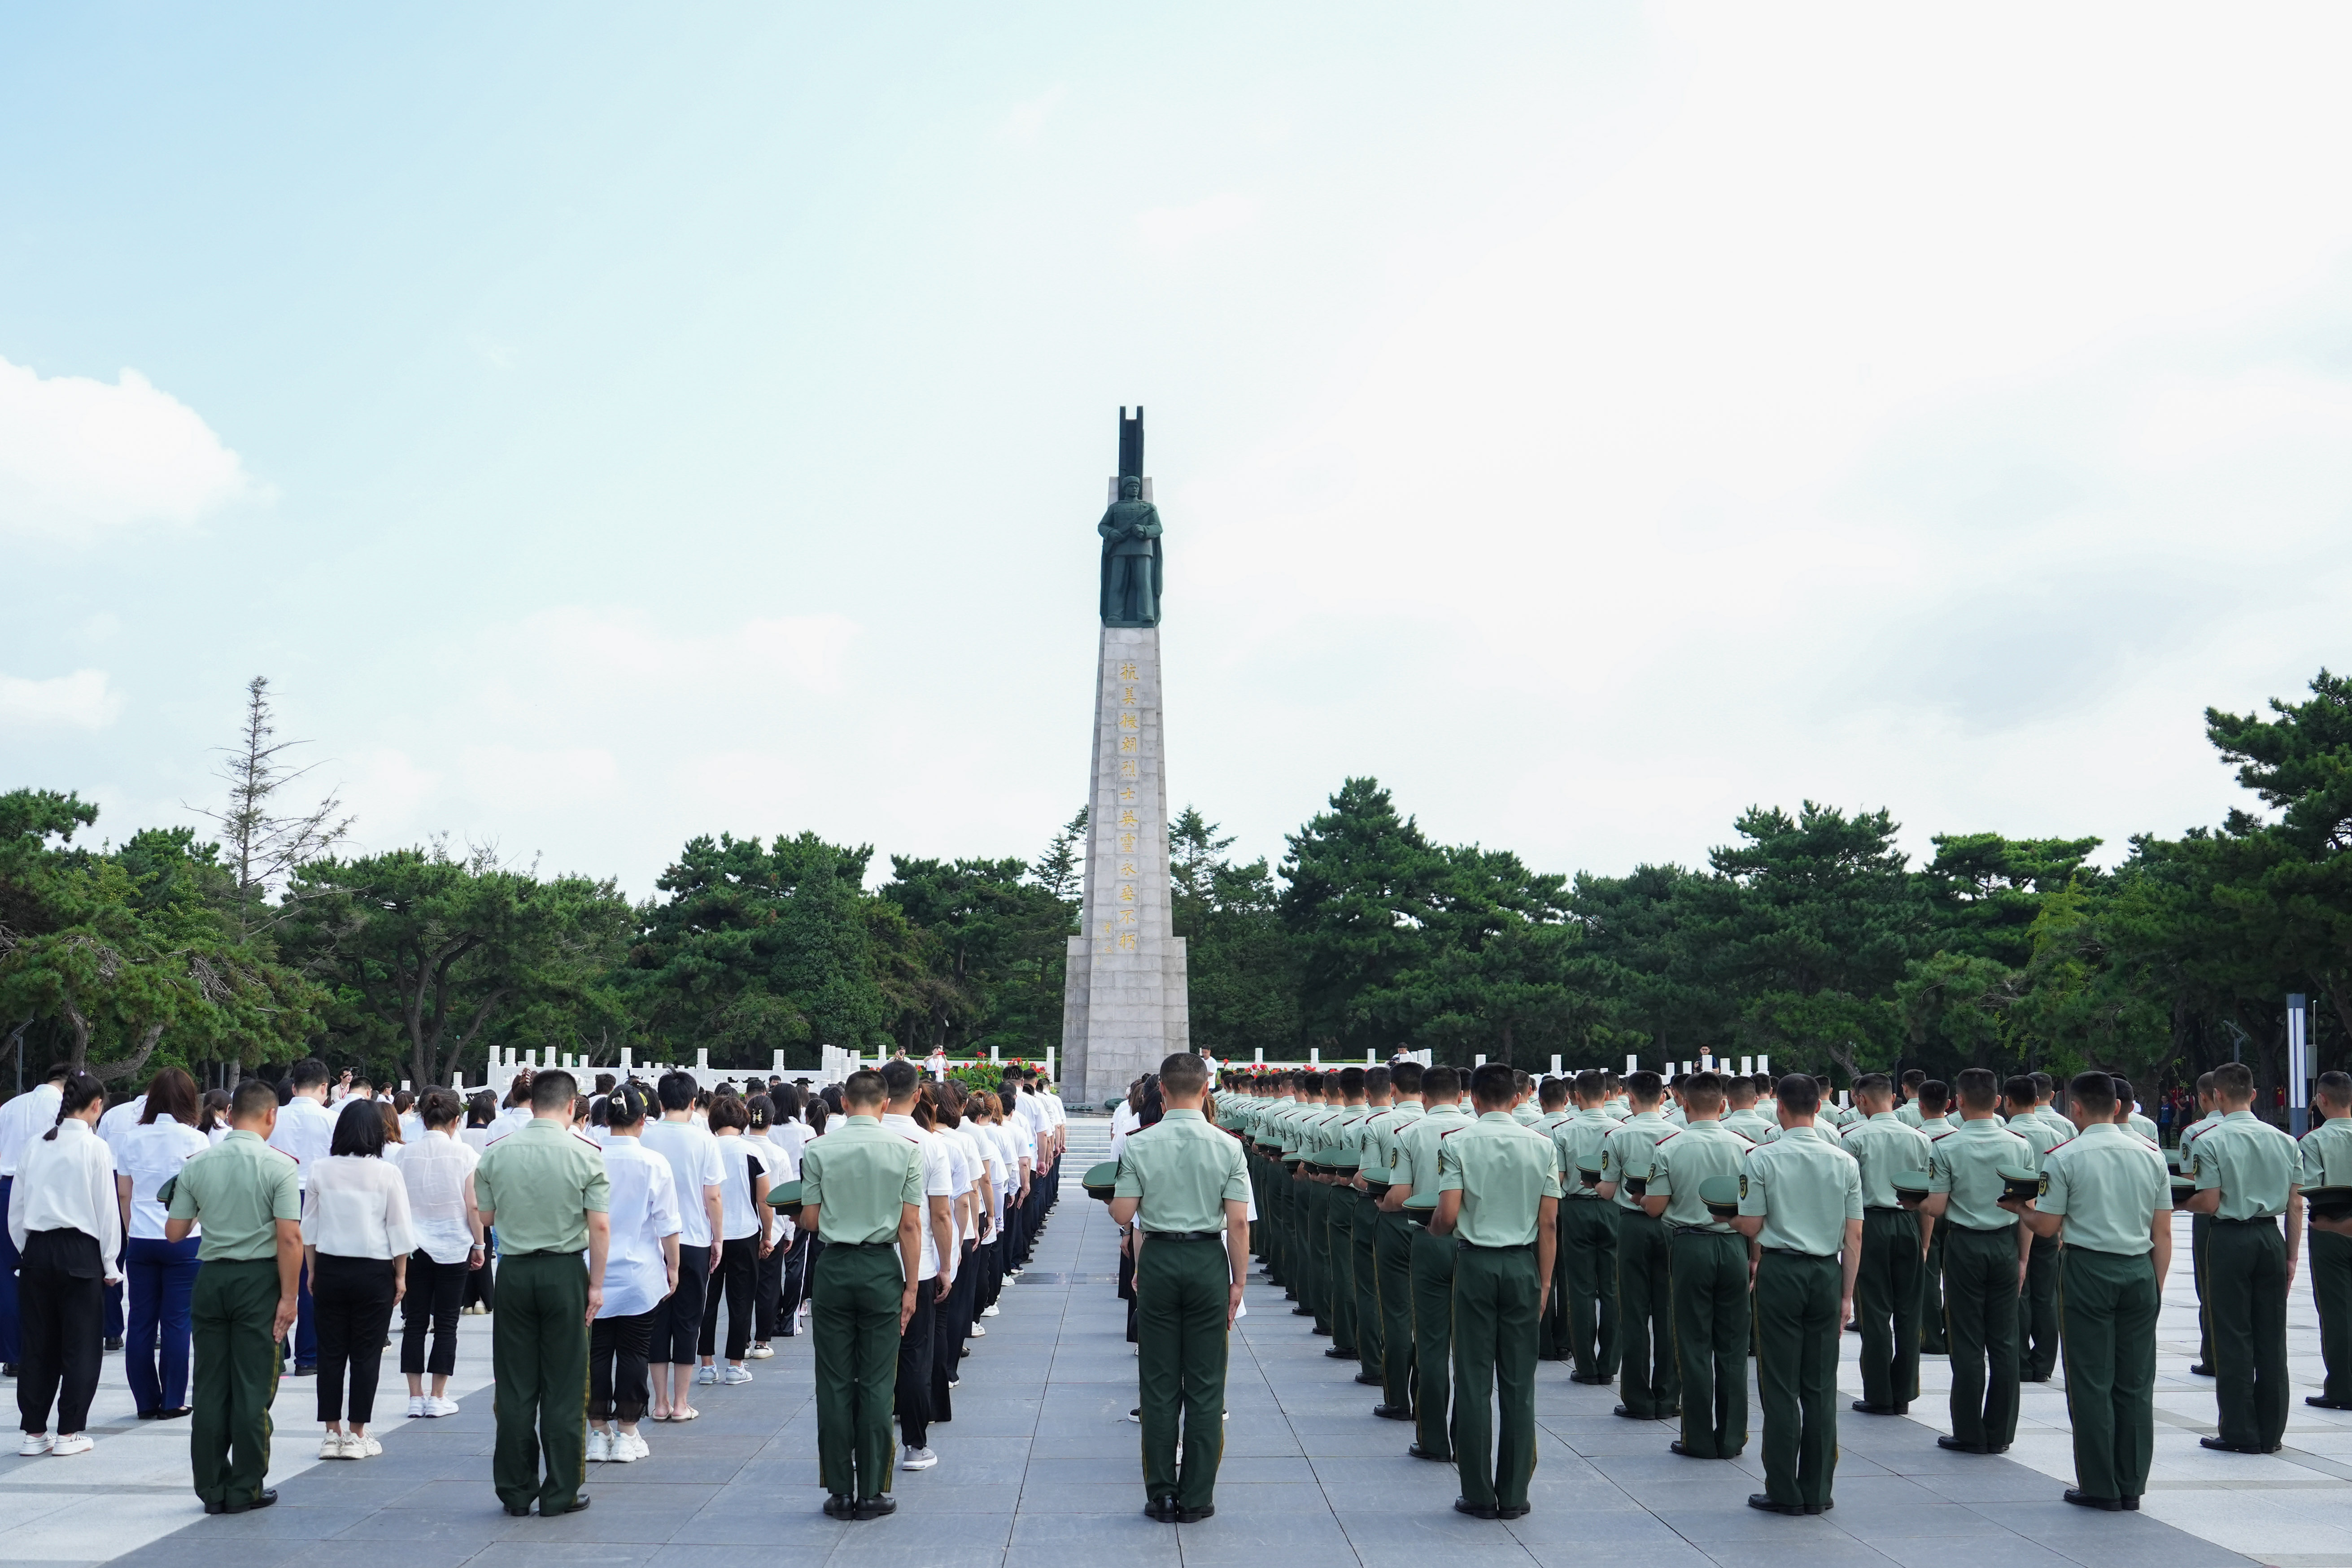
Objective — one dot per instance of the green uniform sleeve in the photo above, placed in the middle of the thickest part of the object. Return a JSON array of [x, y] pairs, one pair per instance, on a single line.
[[2050, 1196], [184, 1194], [1237, 1188], [285, 1201], [812, 1176], [1754, 1189], [596, 1193], [1130, 1181], [1449, 1170], [1853, 1190], [485, 1185], [1662, 1172], [910, 1191]]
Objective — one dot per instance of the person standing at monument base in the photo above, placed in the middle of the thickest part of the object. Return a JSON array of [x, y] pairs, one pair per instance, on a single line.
[[1186, 1190]]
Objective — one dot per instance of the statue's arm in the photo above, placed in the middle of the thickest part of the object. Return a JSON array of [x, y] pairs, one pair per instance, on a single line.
[[1149, 528], [1110, 527]]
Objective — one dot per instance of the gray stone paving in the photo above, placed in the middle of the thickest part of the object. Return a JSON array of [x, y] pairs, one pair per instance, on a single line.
[[1039, 1469]]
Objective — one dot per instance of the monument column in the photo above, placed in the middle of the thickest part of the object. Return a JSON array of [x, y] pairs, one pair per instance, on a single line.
[[1124, 1003]]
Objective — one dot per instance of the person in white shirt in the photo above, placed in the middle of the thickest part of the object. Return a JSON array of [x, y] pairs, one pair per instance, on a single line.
[[697, 1169], [23, 1118], [481, 1126], [306, 1130], [640, 1272], [746, 1237], [65, 1221], [438, 1172], [902, 1081], [784, 1167], [517, 1111], [982, 1116], [356, 1239], [159, 1276], [792, 1133]]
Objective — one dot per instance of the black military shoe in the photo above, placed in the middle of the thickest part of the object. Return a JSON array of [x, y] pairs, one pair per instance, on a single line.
[[2084, 1500], [1368, 1380], [1393, 1412], [579, 1504], [1196, 1515], [1418, 1452], [878, 1507], [1867, 1408], [1340, 1352], [1957, 1447], [841, 1505], [1475, 1509], [1164, 1509], [1763, 1503]]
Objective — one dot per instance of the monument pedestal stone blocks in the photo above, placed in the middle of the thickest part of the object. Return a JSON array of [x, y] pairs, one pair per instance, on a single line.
[[1124, 1005]]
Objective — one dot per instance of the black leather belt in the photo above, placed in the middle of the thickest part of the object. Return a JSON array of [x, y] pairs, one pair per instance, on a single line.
[[1474, 1246], [1792, 1252], [1884, 1208], [1185, 1234], [866, 1246]]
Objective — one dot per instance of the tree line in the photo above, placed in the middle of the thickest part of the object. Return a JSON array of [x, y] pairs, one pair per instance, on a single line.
[[1809, 936]]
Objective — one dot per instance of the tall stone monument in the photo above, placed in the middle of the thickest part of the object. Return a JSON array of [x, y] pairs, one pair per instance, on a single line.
[[1123, 1006]]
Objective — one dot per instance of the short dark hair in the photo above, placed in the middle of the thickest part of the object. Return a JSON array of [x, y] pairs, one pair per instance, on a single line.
[[1376, 1080], [1936, 1092], [728, 1111], [1704, 1091], [57, 1072], [2204, 1083], [1644, 1084], [1553, 1094], [359, 1129], [605, 1083], [252, 1097], [2335, 1088], [676, 1091], [2234, 1080], [2094, 1093], [1491, 1083], [1872, 1083], [2021, 1090], [2042, 1083], [862, 1087], [2124, 1095], [1979, 1088], [1914, 1076], [899, 1077], [553, 1090], [1799, 1095], [309, 1073], [1405, 1077], [1184, 1073], [1592, 1084], [481, 1107], [1351, 1082], [1442, 1081]]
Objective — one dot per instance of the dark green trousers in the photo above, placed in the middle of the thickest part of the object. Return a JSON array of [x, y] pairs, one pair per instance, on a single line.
[[2201, 1232], [1317, 1243], [230, 1315], [1587, 1266], [1364, 1268], [2330, 1260], [1181, 1296], [539, 1356], [1433, 1342], [1796, 1375], [1933, 1340], [1710, 1282], [855, 1316], [1495, 1295], [1646, 1377], [1887, 1294], [2108, 1304], [2245, 1296], [1396, 1310], [1339, 1248], [1551, 1333], [1981, 1312], [2037, 1312]]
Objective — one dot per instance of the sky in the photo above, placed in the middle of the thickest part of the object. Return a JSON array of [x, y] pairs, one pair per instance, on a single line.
[[606, 427]]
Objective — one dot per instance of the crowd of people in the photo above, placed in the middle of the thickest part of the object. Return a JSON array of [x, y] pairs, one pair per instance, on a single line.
[[224, 1240]]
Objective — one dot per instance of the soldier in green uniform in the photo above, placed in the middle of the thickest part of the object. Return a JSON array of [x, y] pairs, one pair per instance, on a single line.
[[1298, 1194], [1498, 1198], [862, 1193], [1934, 1097], [2045, 1097], [1887, 1292], [1184, 1190], [1588, 1234], [2200, 1225], [2127, 1113], [1908, 1111], [247, 1196], [1800, 1205], [2326, 1162], [547, 1193], [1524, 1109], [1392, 1242], [1709, 1273], [1648, 1383], [1432, 1265], [1552, 1095], [2107, 1196], [2031, 1119], [1743, 1117], [1364, 1226], [2247, 1177], [1337, 1134], [1984, 1266]]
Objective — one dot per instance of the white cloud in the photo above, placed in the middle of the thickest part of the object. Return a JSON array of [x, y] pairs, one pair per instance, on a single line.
[[82, 700], [1028, 122], [78, 457], [1174, 229]]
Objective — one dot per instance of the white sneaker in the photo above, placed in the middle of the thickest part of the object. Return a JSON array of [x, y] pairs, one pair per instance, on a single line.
[[1136, 1415], [955, 1383], [918, 1459], [736, 1375], [978, 1332], [416, 1407], [600, 1446], [990, 1310], [638, 1447], [78, 1443], [356, 1446], [761, 1352], [439, 1406], [707, 1376], [621, 1449], [34, 1443], [330, 1446]]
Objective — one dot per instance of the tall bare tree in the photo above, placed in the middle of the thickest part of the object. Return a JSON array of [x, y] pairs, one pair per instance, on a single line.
[[260, 843]]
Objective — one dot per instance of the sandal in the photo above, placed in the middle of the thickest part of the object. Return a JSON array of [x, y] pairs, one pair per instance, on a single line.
[[686, 1413]]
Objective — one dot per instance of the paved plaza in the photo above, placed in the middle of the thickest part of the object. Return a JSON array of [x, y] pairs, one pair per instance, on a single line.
[[1039, 1468]]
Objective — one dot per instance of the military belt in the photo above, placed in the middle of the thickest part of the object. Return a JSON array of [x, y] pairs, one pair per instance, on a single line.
[[2270, 1220], [1185, 1234], [1474, 1246]]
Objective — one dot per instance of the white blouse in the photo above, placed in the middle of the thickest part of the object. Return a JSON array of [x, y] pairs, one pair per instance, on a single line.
[[355, 1205], [435, 1172], [68, 1183], [151, 1155], [736, 1217], [644, 1210]]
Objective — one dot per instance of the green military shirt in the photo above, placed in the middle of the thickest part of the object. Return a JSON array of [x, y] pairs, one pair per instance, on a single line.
[[1751, 1124], [1504, 1170], [1687, 1156], [1578, 1142], [2253, 1164], [1966, 1163], [1416, 1151], [1527, 1113], [1294, 1124], [2043, 1132], [1908, 1114], [239, 1190], [2144, 1128], [1183, 1171], [2327, 1154], [1628, 1150], [1619, 1107], [859, 1178], [1884, 1148], [1377, 1135], [1806, 1188], [540, 1183], [1337, 1131], [2109, 1186], [2050, 1113]]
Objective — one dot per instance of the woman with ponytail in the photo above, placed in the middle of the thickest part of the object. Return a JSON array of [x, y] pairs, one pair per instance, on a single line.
[[66, 1220]]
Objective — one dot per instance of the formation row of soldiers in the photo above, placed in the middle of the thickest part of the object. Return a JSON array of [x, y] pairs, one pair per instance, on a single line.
[[1660, 1246]]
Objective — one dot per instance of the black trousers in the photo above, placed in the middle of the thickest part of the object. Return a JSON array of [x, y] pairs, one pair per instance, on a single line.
[[738, 1279], [678, 1322], [618, 1348], [61, 1307], [353, 1297], [915, 1348], [437, 1292], [768, 1299], [480, 1283], [954, 1326]]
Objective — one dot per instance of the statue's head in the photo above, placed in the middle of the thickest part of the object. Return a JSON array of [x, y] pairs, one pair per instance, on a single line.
[[1130, 488]]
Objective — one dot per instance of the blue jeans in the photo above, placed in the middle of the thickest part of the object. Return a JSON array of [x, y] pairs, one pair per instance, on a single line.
[[161, 1280], [11, 1351]]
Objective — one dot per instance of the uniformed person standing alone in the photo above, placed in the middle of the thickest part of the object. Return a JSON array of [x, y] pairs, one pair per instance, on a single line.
[[2326, 1162], [1649, 1386], [1887, 1293], [1498, 1199], [2107, 1196], [862, 1193], [1984, 1266], [547, 1193], [248, 1199], [1801, 1205], [2247, 1173], [1185, 1189], [1709, 1274], [1416, 1171]]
